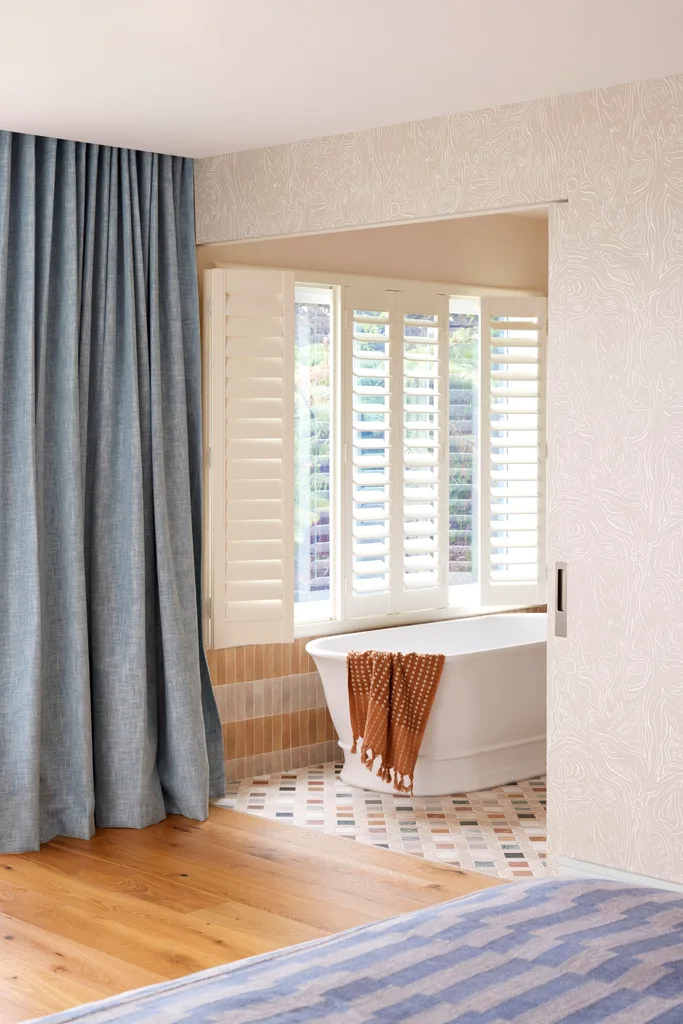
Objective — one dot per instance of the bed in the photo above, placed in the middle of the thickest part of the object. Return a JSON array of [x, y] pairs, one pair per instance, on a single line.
[[535, 952]]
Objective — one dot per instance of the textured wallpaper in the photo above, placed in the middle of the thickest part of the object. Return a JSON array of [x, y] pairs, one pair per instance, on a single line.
[[615, 403]]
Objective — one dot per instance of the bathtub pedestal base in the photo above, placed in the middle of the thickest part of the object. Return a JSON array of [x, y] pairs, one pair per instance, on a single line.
[[482, 769]]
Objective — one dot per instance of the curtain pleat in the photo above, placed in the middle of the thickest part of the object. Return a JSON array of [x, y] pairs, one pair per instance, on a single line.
[[108, 716]]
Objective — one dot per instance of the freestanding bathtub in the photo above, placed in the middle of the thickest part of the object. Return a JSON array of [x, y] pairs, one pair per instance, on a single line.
[[487, 724]]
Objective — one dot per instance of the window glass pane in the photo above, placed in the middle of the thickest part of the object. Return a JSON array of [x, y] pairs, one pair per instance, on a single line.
[[312, 369], [463, 447]]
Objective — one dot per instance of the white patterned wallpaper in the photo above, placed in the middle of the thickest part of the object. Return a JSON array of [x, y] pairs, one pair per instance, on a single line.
[[615, 403]]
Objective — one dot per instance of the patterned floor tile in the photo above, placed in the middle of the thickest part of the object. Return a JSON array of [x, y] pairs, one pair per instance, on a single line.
[[497, 831]]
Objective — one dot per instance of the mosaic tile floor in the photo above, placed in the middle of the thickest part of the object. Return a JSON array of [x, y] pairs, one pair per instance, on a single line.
[[497, 831]]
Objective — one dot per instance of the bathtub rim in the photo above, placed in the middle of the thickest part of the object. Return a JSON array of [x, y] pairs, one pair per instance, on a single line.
[[317, 646]]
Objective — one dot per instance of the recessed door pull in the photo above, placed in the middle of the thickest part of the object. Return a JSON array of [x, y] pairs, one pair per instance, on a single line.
[[560, 599]]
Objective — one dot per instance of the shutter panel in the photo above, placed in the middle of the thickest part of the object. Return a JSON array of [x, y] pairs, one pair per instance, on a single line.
[[422, 426], [369, 472], [251, 424], [513, 337], [395, 498]]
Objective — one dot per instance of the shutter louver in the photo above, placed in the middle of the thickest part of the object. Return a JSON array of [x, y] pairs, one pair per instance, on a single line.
[[251, 489], [513, 334]]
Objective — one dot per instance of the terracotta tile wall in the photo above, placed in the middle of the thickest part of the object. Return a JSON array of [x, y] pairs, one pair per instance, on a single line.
[[272, 708]]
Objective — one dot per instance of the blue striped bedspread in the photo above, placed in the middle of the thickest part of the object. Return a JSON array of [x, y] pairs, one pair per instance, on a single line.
[[541, 952]]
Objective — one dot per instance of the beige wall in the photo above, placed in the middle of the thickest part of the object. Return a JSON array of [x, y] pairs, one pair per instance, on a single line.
[[615, 405], [496, 251]]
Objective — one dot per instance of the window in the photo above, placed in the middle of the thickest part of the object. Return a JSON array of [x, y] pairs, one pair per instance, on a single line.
[[377, 448], [312, 454], [463, 441], [394, 501], [410, 451], [513, 429]]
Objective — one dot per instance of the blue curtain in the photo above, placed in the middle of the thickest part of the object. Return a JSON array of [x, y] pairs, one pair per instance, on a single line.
[[107, 717]]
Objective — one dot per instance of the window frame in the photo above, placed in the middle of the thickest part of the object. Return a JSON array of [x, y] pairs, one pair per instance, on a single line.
[[468, 602], [467, 596]]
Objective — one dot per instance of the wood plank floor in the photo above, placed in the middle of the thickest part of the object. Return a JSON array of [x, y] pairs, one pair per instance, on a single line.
[[83, 920]]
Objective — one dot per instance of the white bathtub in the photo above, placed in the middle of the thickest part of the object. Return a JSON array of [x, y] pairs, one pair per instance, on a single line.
[[487, 725]]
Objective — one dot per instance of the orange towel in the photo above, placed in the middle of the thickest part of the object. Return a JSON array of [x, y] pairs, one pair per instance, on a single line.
[[390, 697]]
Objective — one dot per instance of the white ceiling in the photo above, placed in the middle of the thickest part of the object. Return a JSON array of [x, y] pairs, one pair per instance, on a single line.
[[201, 77]]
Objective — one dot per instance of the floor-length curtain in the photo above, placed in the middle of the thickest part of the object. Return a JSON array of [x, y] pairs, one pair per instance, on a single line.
[[107, 716]]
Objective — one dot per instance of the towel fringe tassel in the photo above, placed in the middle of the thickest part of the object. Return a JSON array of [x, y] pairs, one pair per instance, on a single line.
[[401, 783]]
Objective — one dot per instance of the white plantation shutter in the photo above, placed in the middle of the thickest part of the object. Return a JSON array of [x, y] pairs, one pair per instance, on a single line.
[[251, 427], [369, 319], [395, 490], [513, 336], [422, 425]]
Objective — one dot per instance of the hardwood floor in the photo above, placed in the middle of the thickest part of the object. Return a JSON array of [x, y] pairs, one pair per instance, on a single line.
[[83, 920]]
